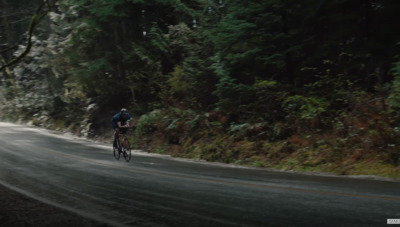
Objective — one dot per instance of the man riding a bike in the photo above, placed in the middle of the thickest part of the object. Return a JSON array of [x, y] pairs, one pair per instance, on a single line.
[[120, 123]]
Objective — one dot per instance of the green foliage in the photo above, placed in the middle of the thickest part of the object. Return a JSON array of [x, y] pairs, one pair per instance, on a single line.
[[308, 108], [216, 151], [394, 99], [234, 73], [265, 84], [178, 81], [147, 123], [269, 96], [102, 10]]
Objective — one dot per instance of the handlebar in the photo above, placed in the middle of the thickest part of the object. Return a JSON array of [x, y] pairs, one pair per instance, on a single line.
[[131, 126]]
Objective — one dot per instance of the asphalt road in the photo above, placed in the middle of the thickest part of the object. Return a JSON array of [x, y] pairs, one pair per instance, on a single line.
[[155, 190]]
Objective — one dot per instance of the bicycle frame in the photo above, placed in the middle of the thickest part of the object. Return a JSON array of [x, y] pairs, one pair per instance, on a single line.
[[124, 141], [122, 147]]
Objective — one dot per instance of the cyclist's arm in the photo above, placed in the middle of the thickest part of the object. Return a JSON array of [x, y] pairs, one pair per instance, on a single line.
[[123, 126]]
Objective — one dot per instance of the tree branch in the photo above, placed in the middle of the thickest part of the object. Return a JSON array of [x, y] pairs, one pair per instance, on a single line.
[[37, 17]]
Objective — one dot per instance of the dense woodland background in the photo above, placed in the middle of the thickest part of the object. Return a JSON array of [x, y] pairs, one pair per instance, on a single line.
[[303, 85]]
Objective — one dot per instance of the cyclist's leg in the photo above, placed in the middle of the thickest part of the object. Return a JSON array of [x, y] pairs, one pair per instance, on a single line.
[[118, 139], [115, 127], [116, 135]]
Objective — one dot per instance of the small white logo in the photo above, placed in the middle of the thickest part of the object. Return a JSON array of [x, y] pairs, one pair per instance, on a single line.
[[393, 221]]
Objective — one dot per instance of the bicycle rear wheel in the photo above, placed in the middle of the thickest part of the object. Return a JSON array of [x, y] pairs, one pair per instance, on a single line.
[[115, 151], [127, 150]]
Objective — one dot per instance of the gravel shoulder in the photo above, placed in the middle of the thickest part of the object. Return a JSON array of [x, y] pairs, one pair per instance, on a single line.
[[19, 210]]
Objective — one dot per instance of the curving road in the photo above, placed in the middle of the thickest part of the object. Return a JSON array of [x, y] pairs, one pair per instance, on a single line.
[[155, 190]]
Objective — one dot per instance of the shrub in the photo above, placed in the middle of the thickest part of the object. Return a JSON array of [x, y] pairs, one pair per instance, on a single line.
[[308, 108], [394, 98], [147, 123]]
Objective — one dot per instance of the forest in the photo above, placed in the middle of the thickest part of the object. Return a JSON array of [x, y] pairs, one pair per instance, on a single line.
[[310, 85]]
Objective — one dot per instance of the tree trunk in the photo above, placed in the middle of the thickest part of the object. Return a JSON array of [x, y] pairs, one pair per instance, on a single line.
[[5, 42]]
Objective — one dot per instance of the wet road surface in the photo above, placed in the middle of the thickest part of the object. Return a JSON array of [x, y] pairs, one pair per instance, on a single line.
[[155, 190]]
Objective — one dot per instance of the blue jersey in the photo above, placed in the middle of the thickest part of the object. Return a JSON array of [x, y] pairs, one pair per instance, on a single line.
[[118, 118]]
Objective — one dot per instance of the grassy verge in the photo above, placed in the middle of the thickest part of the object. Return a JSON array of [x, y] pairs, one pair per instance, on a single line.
[[343, 151]]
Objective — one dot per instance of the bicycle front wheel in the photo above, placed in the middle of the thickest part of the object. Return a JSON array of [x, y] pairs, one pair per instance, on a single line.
[[127, 150]]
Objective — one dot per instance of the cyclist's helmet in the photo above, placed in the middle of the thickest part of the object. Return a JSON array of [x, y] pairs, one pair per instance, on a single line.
[[124, 111]]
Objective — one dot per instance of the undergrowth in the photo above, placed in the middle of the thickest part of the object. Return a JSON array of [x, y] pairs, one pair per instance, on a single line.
[[364, 140]]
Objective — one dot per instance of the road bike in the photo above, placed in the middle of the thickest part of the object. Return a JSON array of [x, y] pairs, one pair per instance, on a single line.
[[123, 147]]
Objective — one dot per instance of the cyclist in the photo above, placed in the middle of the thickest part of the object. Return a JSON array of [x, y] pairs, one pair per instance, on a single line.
[[120, 123]]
